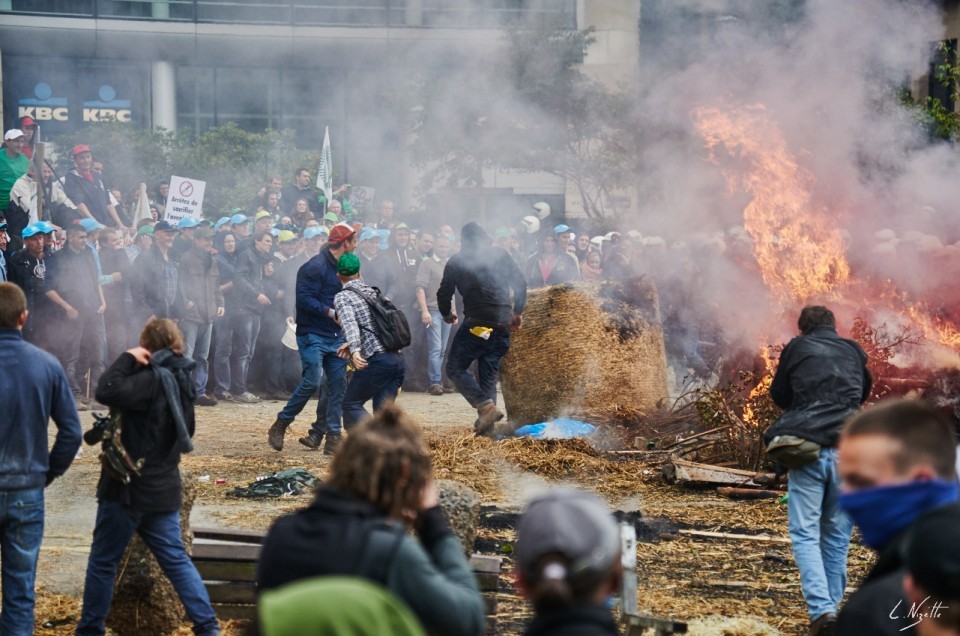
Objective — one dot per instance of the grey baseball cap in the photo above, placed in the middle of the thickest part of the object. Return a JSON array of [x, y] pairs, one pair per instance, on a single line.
[[571, 523]]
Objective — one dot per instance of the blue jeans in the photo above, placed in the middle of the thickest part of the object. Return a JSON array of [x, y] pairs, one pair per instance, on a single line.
[[196, 345], [467, 348], [239, 328], [161, 532], [21, 530], [319, 359], [820, 533], [380, 381], [437, 334]]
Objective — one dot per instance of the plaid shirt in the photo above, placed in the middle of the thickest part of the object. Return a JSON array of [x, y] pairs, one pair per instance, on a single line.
[[356, 321]]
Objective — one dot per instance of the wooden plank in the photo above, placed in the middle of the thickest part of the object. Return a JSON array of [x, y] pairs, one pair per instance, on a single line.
[[763, 538], [235, 612], [227, 570], [484, 563], [229, 534], [747, 493], [692, 472], [232, 593], [225, 551], [637, 624]]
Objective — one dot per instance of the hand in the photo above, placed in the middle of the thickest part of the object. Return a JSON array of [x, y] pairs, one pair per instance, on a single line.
[[280, 294], [117, 277], [291, 321], [268, 269], [261, 192], [220, 311], [263, 300], [517, 321], [72, 314], [451, 319], [425, 317], [141, 355], [102, 308], [430, 498], [190, 304], [357, 360], [343, 351]]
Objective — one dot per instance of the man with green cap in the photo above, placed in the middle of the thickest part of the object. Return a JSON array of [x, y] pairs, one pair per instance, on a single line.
[[379, 373]]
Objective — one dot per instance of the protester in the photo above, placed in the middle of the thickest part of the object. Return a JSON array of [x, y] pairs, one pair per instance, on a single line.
[[57, 206], [429, 275], [13, 165], [299, 189], [551, 266], [202, 304], [224, 326], [485, 276], [28, 269], [376, 270], [30, 135], [250, 302], [897, 464], [568, 564], [820, 381], [932, 557], [88, 192], [4, 248], [590, 268], [386, 220], [379, 373], [116, 318], [270, 349], [380, 483], [151, 389], [35, 390], [142, 241], [154, 278], [319, 339], [73, 286]]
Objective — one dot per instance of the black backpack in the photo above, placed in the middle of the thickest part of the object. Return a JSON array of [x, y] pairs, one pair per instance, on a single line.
[[391, 327]]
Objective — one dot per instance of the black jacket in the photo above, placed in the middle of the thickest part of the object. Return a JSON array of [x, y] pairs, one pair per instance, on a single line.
[[484, 276], [873, 609], [580, 620], [821, 380], [74, 276], [200, 285], [341, 535], [92, 194], [148, 431], [147, 289], [248, 280]]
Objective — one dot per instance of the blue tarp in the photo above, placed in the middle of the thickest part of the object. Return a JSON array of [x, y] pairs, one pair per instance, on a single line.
[[560, 428]]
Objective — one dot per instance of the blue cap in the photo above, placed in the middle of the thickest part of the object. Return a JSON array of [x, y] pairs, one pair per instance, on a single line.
[[314, 232], [187, 222], [275, 231], [237, 219], [90, 225], [562, 229], [220, 222], [368, 233], [30, 230], [3, 224], [44, 227]]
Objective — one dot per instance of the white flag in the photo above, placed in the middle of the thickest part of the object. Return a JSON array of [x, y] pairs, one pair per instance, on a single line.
[[142, 209], [325, 170]]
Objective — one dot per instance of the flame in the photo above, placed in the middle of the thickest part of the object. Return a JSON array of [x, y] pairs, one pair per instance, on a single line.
[[797, 243], [762, 387]]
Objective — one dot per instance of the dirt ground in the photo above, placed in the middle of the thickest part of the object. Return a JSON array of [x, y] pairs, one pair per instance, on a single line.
[[719, 586]]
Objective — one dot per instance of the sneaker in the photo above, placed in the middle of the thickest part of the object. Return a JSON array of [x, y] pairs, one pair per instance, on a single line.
[[206, 400], [224, 397], [312, 440], [332, 443], [246, 398], [275, 435], [826, 625], [436, 389], [448, 387], [489, 415]]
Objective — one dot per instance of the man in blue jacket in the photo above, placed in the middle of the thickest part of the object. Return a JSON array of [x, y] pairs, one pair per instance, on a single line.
[[35, 389], [318, 339]]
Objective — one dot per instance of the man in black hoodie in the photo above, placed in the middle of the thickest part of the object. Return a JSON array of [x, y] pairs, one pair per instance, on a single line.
[[821, 380], [484, 275]]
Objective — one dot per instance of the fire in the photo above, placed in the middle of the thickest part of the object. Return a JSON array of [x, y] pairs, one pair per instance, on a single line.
[[797, 243]]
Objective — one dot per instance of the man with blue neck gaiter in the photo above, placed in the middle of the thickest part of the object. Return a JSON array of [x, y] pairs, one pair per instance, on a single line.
[[897, 464], [821, 380]]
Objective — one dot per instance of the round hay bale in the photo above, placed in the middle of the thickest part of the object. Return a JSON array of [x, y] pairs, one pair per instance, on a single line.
[[461, 505], [144, 600], [588, 350]]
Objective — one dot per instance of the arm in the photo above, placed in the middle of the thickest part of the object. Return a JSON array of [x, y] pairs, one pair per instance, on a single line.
[[64, 414], [448, 285], [64, 305], [517, 283], [348, 320], [125, 384], [307, 285], [780, 389]]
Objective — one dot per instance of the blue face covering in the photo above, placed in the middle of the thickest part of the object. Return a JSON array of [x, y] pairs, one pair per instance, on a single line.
[[882, 513]]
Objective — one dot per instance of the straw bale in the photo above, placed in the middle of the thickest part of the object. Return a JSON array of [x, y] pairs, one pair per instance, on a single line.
[[592, 351], [461, 506]]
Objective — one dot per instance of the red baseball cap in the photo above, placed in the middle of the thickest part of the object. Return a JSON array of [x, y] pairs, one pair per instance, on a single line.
[[80, 148], [341, 232], [27, 121]]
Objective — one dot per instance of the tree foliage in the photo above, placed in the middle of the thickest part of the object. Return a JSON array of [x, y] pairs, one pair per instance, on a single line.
[[940, 121], [234, 163]]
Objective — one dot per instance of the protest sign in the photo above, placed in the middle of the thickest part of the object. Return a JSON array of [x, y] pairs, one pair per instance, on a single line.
[[185, 199]]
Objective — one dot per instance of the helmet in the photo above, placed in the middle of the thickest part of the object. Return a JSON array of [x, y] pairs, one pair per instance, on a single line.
[[531, 223], [543, 209]]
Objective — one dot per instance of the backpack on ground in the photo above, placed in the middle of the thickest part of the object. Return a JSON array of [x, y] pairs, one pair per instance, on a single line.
[[390, 325]]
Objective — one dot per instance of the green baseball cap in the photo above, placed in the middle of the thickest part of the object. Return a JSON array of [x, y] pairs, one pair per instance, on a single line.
[[348, 264]]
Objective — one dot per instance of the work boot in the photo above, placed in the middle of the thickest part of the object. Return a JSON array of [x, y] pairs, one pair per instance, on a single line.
[[489, 415], [826, 625], [275, 435], [311, 440], [436, 389], [206, 400], [332, 443]]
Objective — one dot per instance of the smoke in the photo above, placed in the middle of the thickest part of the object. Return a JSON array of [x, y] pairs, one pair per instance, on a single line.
[[826, 74]]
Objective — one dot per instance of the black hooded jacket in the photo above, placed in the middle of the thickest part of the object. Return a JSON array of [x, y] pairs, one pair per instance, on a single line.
[[821, 380]]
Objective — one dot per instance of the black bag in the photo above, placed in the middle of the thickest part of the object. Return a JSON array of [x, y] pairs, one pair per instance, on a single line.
[[392, 329]]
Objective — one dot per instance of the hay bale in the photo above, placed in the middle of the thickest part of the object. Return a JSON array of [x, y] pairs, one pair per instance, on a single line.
[[592, 351], [461, 505], [144, 600]]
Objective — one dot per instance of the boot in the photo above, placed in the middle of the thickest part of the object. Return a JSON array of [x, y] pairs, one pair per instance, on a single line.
[[276, 433], [332, 443], [489, 415], [311, 440]]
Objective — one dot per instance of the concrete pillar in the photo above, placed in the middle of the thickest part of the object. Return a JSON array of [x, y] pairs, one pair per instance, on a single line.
[[163, 96], [414, 12]]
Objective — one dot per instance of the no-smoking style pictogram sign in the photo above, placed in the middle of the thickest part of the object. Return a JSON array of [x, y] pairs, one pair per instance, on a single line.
[[186, 189]]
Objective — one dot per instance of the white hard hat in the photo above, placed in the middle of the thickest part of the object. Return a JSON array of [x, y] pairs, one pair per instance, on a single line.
[[543, 210], [532, 223]]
